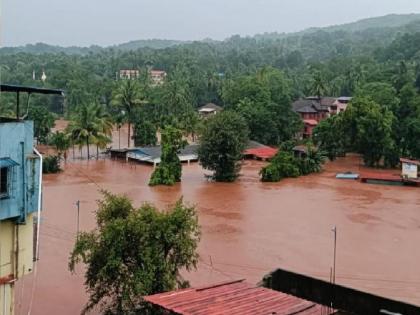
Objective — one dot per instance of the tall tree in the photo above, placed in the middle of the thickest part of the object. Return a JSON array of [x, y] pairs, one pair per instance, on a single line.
[[135, 252], [222, 142], [83, 126], [43, 122], [128, 96], [169, 171]]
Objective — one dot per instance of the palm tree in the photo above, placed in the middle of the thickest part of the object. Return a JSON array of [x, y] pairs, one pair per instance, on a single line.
[[119, 120], [318, 86], [128, 96], [61, 142], [103, 128], [84, 126]]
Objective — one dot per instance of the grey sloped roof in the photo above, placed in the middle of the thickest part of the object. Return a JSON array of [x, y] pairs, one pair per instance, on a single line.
[[313, 104], [156, 151], [305, 106]]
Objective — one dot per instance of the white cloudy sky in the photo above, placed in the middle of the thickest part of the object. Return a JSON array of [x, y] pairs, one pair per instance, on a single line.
[[106, 22]]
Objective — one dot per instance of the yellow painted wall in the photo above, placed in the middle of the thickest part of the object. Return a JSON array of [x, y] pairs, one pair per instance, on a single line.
[[8, 245]]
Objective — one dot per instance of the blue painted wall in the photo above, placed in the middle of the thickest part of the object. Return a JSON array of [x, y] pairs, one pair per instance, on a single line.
[[16, 143]]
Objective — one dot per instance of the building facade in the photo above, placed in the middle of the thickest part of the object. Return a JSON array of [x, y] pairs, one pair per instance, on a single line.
[[157, 77], [129, 74], [20, 193], [313, 109]]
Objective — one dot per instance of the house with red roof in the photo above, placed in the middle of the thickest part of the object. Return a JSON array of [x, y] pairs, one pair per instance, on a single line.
[[313, 109]]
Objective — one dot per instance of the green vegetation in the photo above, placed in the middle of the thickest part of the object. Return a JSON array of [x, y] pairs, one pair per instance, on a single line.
[[134, 252], [169, 170], [374, 60], [222, 142], [51, 164], [43, 122], [285, 165]]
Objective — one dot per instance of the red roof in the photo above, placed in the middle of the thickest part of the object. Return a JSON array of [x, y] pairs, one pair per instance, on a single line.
[[403, 160], [262, 153], [311, 122], [237, 297]]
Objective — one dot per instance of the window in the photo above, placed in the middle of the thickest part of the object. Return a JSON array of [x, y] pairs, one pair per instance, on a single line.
[[4, 182]]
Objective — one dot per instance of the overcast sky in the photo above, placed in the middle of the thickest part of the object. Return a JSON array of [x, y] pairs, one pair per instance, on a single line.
[[107, 22]]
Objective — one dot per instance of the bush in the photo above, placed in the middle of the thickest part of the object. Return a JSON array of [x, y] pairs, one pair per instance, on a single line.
[[283, 165], [51, 164]]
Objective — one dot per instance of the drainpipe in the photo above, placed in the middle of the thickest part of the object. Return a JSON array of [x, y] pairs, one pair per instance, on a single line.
[[23, 213], [39, 203]]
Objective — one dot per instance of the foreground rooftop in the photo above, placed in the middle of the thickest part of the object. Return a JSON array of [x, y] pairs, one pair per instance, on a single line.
[[236, 297]]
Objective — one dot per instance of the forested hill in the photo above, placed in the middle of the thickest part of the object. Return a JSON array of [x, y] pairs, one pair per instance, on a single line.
[[379, 29], [41, 48]]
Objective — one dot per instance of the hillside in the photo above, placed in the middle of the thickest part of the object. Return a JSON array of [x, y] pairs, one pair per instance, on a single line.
[[382, 28]]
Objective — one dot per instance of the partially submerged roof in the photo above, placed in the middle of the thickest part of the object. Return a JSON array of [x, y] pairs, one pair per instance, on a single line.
[[254, 144], [235, 298], [29, 89], [154, 152], [262, 153]]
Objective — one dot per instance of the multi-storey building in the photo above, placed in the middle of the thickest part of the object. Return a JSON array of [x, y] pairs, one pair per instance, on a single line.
[[20, 198]]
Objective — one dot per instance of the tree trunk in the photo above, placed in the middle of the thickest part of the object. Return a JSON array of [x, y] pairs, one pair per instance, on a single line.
[[97, 152], [119, 138], [87, 144], [73, 151], [129, 133]]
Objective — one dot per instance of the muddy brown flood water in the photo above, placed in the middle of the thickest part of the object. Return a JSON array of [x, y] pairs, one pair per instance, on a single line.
[[248, 228]]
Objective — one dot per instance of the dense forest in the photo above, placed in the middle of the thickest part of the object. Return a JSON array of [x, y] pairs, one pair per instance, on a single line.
[[377, 60]]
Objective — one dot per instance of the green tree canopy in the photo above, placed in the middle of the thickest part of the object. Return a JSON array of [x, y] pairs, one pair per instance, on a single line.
[[222, 142], [43, 122], [169, 170], [369, 126], [135, 252]]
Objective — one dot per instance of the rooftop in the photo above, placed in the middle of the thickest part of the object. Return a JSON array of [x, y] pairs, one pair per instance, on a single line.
[[210, 107], [235, 297]]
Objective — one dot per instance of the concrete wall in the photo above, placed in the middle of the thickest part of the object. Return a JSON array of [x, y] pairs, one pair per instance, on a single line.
[[342, 298], [16, 210], [16, 143]]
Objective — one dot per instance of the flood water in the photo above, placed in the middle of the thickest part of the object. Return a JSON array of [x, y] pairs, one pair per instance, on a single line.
[[248, 228]]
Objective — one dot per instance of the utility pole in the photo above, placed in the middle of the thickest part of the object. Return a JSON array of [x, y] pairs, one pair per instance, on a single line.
[[334, 230], [78, 216]]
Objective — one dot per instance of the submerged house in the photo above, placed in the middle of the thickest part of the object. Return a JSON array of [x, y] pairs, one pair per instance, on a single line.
[[409, 168], [258, 151], [153, 154]]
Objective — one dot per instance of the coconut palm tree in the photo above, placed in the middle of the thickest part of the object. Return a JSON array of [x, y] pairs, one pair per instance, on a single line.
[[103, 128], [128, 96], [318, 86], [61, 141], [84, 126]]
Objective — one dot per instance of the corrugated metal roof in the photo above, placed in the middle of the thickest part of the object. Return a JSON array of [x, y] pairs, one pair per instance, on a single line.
[[235, 298]]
